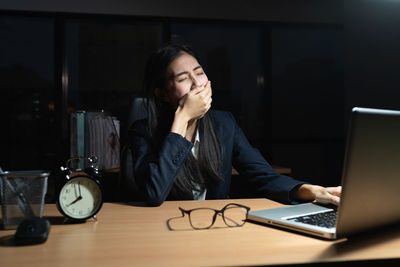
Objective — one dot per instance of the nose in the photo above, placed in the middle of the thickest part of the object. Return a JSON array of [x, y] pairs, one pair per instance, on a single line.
[[195, 82]]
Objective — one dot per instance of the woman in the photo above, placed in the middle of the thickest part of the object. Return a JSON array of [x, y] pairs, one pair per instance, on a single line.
[[184, 150]]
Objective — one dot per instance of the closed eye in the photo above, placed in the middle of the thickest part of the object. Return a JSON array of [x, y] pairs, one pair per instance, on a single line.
[[181, 79]]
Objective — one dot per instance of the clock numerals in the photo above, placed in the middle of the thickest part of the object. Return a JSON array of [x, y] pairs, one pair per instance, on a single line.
[[80, 198]]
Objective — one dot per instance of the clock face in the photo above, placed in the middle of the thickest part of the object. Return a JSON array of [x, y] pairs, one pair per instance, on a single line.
[[80, 198]]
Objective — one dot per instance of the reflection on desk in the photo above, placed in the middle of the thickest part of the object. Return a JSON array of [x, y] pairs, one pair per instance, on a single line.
[[128, 235]]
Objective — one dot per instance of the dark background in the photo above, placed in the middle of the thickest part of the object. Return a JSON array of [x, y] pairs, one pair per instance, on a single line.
[[289, 71]]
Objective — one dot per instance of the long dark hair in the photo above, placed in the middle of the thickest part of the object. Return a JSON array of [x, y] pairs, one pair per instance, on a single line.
[[196, 174]]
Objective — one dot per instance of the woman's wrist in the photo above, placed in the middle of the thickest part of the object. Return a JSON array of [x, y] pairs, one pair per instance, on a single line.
[[180, 123]]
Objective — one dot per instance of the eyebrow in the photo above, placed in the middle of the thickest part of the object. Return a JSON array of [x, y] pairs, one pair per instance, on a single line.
[[185, 72]]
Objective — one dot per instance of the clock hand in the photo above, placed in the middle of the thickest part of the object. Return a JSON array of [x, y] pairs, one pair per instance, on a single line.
[[76, 200], [79, 187], [75, 190]]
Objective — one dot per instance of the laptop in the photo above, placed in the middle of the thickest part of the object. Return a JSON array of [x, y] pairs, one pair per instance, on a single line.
[[370, 183]]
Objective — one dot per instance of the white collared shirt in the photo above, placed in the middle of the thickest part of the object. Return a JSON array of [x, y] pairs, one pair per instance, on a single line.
[[195, 152], [195, 148]]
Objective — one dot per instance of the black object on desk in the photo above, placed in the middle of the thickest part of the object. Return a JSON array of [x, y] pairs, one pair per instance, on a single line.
[[32, 231]]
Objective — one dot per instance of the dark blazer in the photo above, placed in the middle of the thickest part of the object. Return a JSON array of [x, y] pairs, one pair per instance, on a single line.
[[155, 171]]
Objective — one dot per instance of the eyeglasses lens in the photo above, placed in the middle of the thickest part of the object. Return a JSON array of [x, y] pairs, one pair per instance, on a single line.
[[202, 218], [235, 216]]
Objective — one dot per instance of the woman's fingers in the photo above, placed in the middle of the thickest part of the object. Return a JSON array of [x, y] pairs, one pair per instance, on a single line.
[[203, 89], [206, 93], [329, 195], [336, 191], [197, 102]]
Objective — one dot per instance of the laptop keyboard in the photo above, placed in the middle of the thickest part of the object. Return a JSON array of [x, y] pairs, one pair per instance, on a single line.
[[324, 219]]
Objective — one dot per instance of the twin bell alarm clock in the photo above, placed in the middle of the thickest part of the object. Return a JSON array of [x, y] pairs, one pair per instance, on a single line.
[[80, 195]]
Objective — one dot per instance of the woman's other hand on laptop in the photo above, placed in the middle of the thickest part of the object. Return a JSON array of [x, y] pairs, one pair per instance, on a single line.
[[323, 195]]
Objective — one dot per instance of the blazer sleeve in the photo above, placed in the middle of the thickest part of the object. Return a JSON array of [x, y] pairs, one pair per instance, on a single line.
[[155, 170], [261, 180]]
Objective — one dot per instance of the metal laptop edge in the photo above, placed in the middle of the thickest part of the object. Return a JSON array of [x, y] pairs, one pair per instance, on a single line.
[[276, 216]]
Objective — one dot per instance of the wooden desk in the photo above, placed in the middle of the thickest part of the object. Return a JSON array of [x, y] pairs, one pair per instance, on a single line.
[[133, 235]]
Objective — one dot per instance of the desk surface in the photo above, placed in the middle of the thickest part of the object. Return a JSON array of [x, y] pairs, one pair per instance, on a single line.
[[127, 235]]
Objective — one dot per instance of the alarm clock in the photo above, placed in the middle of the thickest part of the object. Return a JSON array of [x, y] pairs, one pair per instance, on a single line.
[[80, 196]]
